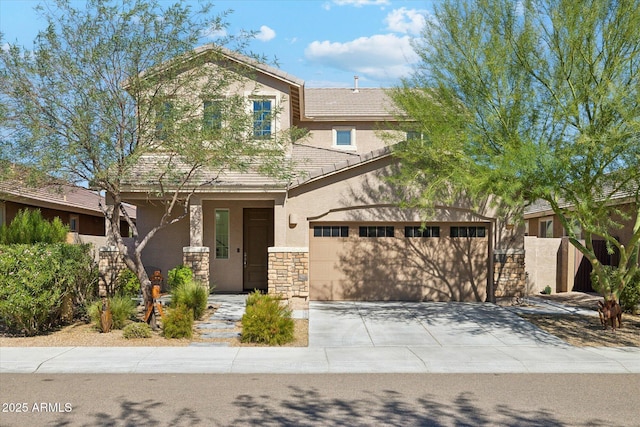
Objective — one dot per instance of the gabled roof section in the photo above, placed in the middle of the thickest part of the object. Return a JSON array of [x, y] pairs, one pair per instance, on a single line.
[[251, 63], [322, 162], [336, 104], [63, 197]]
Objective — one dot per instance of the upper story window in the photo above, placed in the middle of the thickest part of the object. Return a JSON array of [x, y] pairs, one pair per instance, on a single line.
[[262, 115], [212, 116], [344, 137], [164, 113]]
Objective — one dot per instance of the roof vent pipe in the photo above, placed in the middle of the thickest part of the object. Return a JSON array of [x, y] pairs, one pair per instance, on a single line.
[[355, 84]]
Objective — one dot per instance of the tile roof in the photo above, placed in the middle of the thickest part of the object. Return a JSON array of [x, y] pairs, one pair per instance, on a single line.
[[64, 197], [309, 163], [347, 104]]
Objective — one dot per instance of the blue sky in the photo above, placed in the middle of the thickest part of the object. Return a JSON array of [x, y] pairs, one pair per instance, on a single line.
[[324, 42]]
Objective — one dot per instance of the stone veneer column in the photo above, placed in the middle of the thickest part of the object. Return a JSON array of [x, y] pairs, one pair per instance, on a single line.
[[509, 273], [289, 275], [197, 258], [110, 264]]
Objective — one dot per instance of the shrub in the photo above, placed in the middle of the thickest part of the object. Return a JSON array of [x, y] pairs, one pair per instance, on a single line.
[[266, 321], [178, 323], [193, 296], [178, 276], [630, 295], [128, 284], [30, 227], [36, 279], [122, 310], [136, 330]]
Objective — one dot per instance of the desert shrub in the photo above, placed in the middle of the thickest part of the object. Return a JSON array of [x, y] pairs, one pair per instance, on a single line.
[[36, 279], [630, 295], [266, 321], [178, 323], [136, 330], [128, 284], [123, 309], [28, 227], [192, 295], [253, 298], [178, 276]]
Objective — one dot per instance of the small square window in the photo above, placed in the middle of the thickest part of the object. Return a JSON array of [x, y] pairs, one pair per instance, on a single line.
[[343, 137]]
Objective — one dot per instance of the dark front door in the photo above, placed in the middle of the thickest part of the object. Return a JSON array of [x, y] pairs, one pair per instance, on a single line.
[[258, 236]]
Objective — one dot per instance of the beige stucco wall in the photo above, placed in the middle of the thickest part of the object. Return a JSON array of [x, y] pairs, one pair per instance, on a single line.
[[541, 263], [164, 250], [368, 137], [361, 194]]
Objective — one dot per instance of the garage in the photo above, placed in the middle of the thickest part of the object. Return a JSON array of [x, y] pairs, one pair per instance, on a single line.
[[398, 261]]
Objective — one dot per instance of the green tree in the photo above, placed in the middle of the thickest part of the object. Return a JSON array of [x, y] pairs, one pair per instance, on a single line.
[[531, 100], [112, 94]]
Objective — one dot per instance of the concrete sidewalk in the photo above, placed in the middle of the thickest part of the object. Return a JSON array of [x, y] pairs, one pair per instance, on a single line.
[[357, 337]]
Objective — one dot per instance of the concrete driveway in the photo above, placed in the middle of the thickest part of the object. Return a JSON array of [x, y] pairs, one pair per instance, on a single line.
[[437, 324]]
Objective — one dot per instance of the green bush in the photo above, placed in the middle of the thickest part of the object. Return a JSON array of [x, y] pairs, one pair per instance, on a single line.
[[30, 227], [123, 309], [192, 295], [136, 330], [178, 323], [36, 279], [128, 284], [178, 276], [630, 295], [266, 321]]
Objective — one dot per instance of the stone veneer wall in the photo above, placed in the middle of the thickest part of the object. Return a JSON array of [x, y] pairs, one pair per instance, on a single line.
[[197, 258], [509, 276], [289, 275], [110, 264]]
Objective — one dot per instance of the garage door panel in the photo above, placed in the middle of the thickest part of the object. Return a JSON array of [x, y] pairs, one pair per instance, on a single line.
[[398, 268]]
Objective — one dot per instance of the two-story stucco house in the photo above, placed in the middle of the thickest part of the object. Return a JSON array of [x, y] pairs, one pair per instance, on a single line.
[[335, 232]]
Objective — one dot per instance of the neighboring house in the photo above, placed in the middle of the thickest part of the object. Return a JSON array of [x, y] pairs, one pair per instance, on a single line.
[[552, 260], [76, 207], [335, 232]]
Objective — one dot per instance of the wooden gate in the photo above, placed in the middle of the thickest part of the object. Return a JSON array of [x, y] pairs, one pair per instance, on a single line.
[[583, 280]]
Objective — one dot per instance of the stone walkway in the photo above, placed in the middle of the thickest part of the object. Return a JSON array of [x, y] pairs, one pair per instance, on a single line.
[[222, 324]]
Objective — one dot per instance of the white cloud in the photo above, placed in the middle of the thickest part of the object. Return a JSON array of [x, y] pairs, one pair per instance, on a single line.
[[406, 21], [265, 34], [380, 57], [214, 32]]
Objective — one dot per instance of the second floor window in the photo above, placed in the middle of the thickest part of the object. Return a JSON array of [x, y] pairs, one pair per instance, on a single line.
[[212, 116], [164, 112], [262, 118]]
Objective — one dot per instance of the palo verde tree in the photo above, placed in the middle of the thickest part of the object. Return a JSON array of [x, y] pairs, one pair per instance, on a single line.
[[535, 100], [117, 93]]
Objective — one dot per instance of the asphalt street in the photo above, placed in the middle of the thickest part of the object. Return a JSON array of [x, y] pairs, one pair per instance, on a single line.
[[327, 400]]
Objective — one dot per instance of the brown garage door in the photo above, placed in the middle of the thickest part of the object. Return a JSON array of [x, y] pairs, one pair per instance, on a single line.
[[401, 262]]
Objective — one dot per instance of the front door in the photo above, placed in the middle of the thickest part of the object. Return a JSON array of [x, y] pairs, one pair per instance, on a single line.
[[257, 237]]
